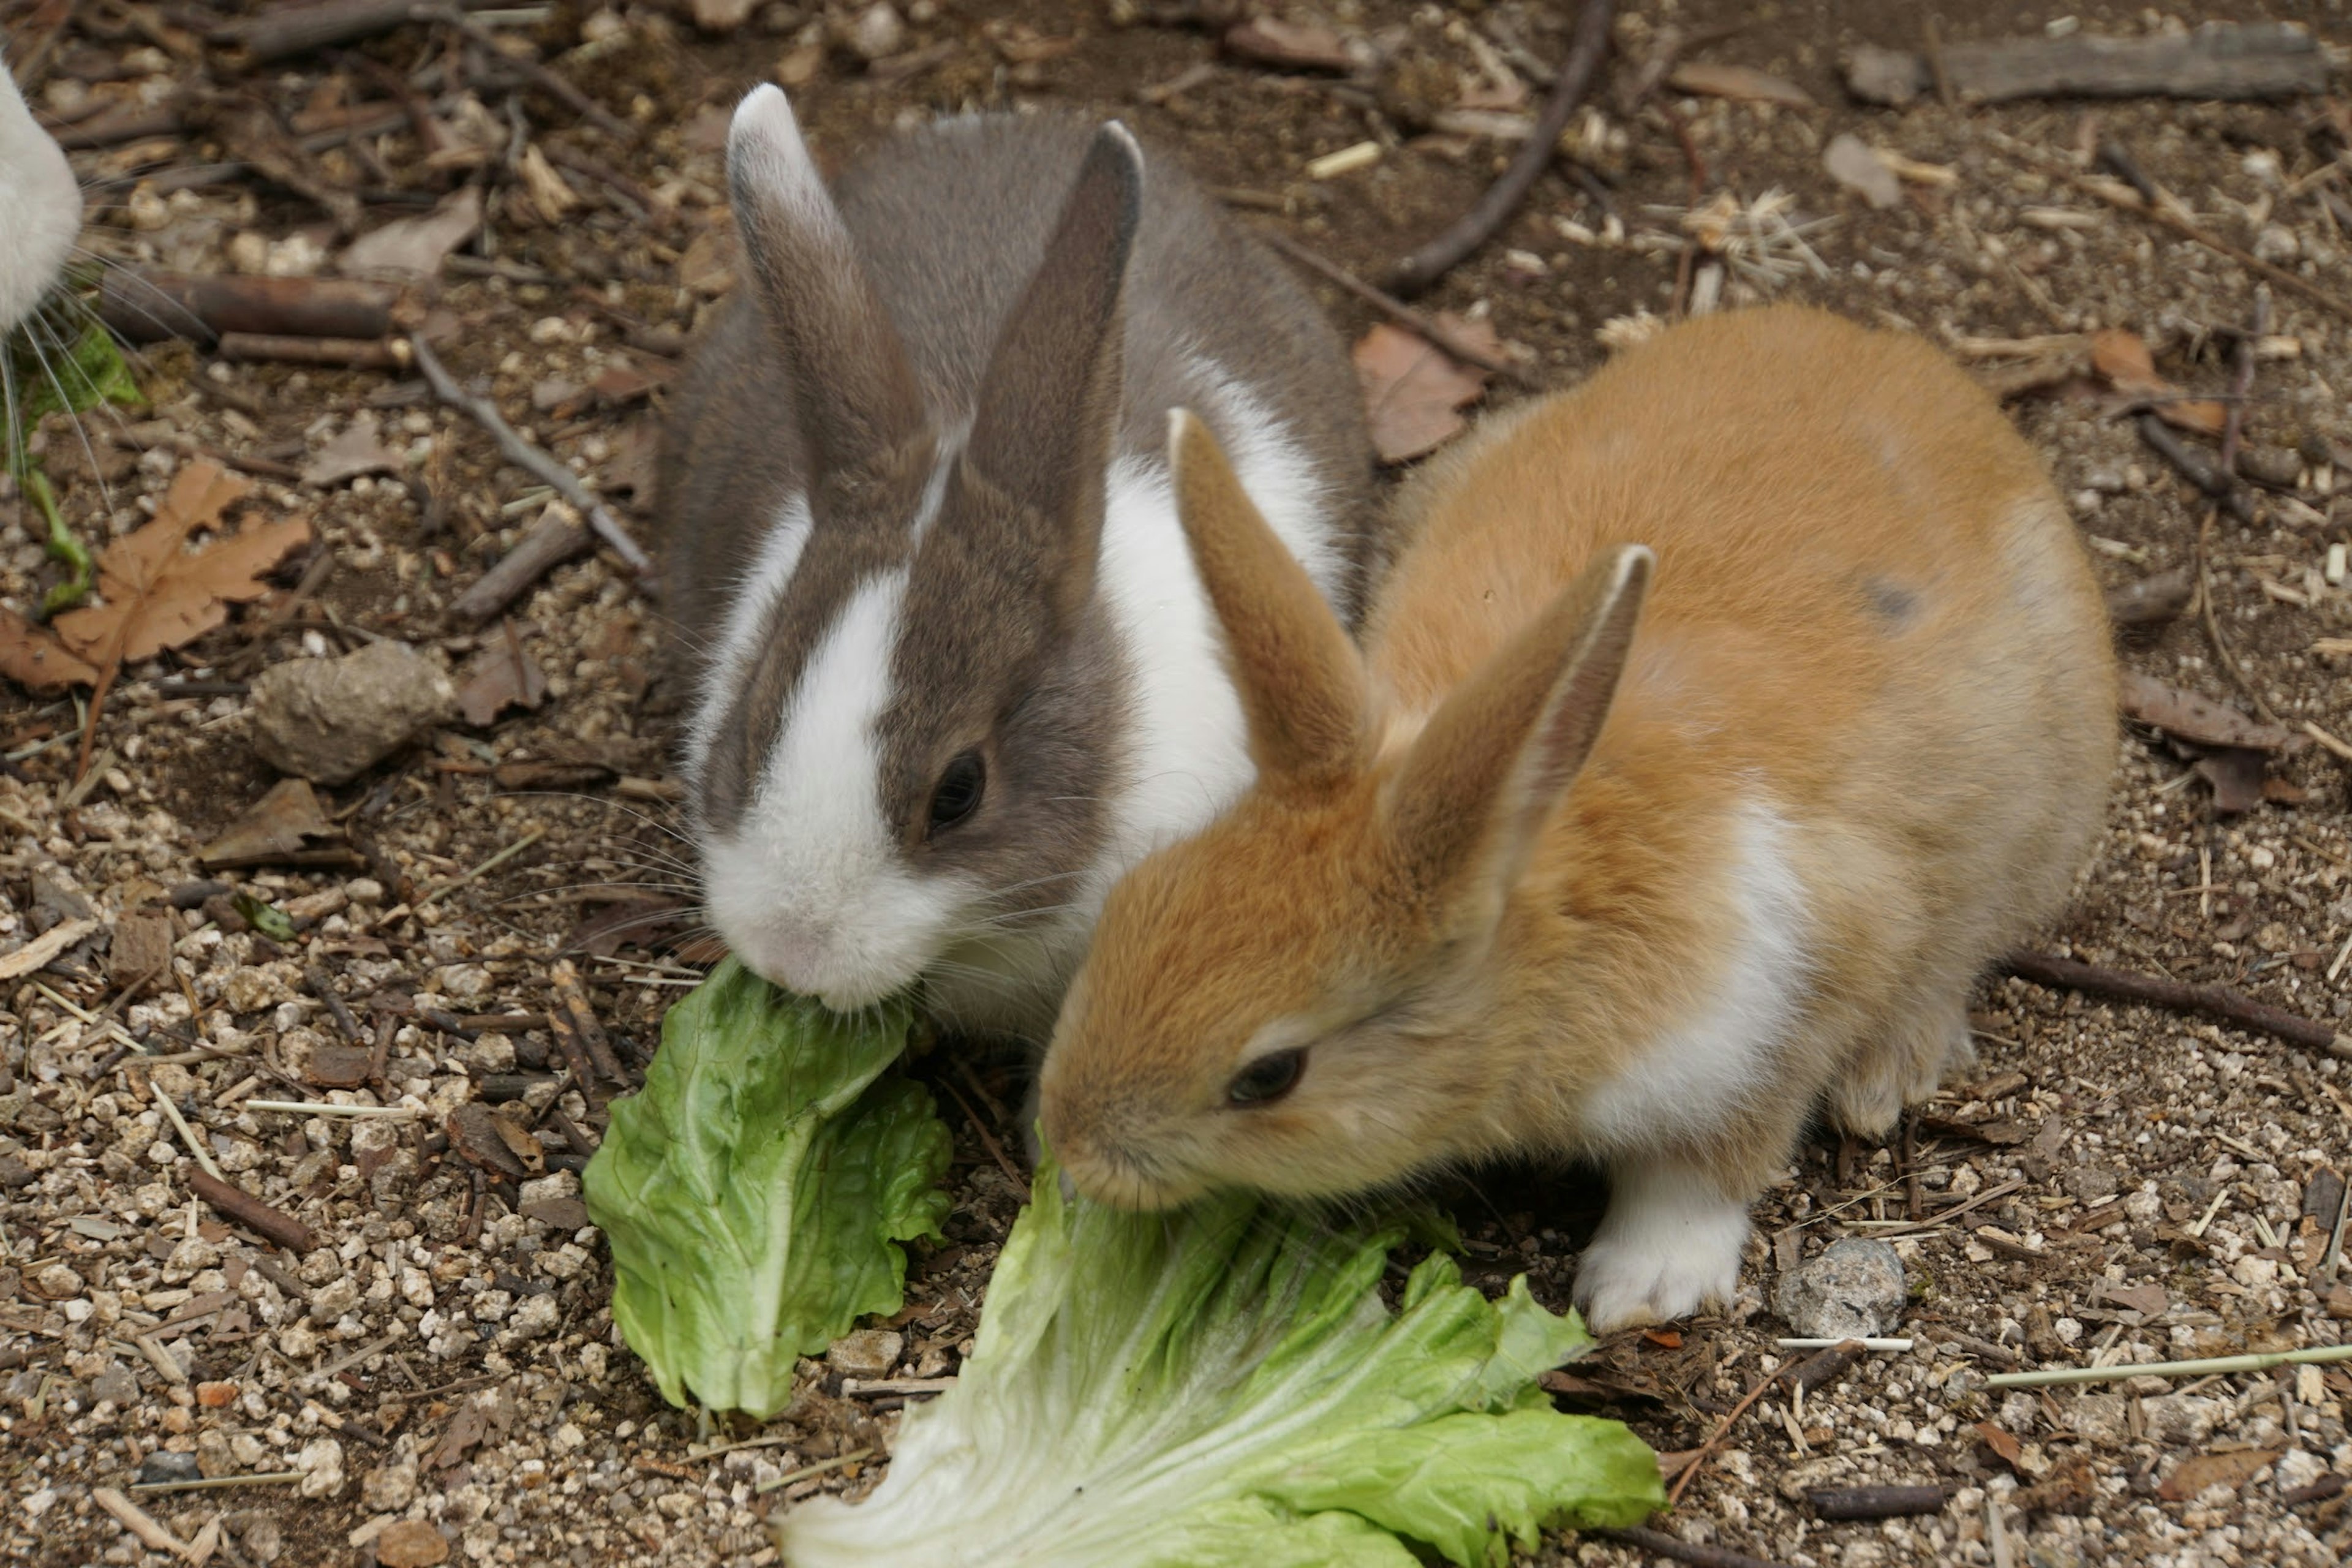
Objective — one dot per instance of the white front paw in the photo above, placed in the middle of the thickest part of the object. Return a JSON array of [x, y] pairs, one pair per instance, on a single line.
[[1659, 1263]]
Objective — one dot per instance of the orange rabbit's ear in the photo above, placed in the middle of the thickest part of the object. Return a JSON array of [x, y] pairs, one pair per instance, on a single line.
[[1485, 772], [1301, 683]]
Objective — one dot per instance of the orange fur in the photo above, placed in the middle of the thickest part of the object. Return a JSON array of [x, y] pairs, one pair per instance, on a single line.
[[1870, 684]]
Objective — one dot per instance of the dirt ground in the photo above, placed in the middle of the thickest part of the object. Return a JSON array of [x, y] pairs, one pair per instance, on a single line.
[[2117, 1184]]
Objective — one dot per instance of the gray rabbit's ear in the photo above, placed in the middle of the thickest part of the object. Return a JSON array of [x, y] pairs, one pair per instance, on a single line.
[[1049, 403], [854, 394]]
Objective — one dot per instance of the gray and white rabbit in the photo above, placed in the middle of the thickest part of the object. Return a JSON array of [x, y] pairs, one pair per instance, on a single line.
[[40, 208], [953, 670]]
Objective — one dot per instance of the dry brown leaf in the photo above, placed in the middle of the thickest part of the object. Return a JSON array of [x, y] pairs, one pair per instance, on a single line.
[[2194, 1474], [2236, 774], [2199, 720], [1738, 81], [360, 450], [1413, 390], [36, 661], [503, 675], [2002, 1443], [281, 822], [157, 594], [1271, 41], [2147, 1298], [2122, 359]]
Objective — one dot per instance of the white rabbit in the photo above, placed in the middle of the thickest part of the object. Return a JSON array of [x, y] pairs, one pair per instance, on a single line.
[[40, 208]]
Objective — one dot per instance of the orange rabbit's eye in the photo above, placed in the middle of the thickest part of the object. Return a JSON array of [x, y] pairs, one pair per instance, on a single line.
[[1268, 1078]]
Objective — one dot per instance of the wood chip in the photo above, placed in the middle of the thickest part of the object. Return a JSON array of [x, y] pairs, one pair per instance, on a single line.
[[137, 1521], [1738, 81], [43, 950], [2193, 1475], [2187, 715]]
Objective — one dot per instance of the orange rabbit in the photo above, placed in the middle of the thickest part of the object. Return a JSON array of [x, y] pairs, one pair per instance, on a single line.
[[1571, 862]]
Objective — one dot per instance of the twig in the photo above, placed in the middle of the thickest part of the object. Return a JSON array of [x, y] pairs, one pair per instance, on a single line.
[[2192, 466], [1395, 309], [1587, 48], [208, 1483], [2222, 650], [187, 1133], [2242, 384], [285, 31], [1821, 1344], [324, 1108], [1946, 1216], [552, 540], [495, 861], [1876, 1502], [2212, 1001], [529, 458], [1723, 1428], [137, 1521], [1681, 1551], [2328, 742], [820, 1468], [2157, 212], [2315, 1355], [324, 991], [340, 353], [554, 84], [1004, 1163], [250, 1212]]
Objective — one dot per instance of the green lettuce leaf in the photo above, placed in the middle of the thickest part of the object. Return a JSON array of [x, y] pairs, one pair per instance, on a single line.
[[1225, 1388], [755, 1191]]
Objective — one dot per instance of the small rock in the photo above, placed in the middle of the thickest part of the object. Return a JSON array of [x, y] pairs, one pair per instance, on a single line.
[[1853, 1290], [388, 1489], [2090, 1182], [265, 1542], [329, 720], [162, 1466], [321, 1464], [874, 33], [215, 1458], [1851, 163], [536, 1318], [869, 1353], [411, 1543], [54, 903], [116, 1383]]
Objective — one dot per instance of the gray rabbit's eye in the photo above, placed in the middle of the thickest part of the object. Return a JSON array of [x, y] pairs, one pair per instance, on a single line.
[[957, 796], [1266, 1079]]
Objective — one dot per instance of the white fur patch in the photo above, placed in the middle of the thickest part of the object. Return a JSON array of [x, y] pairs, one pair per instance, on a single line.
[[754, 598], [1191, 757], [1669, 1245], [1720, 1056], [766, 157], [40, 208], [810, 889]]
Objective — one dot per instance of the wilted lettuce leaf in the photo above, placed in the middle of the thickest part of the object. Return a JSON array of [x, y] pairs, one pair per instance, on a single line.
[[755, 1191], [1225, 1388]]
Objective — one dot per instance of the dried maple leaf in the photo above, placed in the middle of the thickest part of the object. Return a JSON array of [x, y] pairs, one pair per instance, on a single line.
[[38, 661], [1413, 390], [2186, 716], [158, 594]]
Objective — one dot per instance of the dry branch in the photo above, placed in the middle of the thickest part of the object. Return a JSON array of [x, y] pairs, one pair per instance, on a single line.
[[2210, 1001], [253, 1213], [2193, 466], [285, 31], [1659, 1544], [1588, 46], [145, 306], [337, 354], [2252, 61], [531, 460], [1397, 310], [552, 540]]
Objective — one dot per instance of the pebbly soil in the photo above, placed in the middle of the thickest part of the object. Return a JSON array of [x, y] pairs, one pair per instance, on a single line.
[[2147, 1186]]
